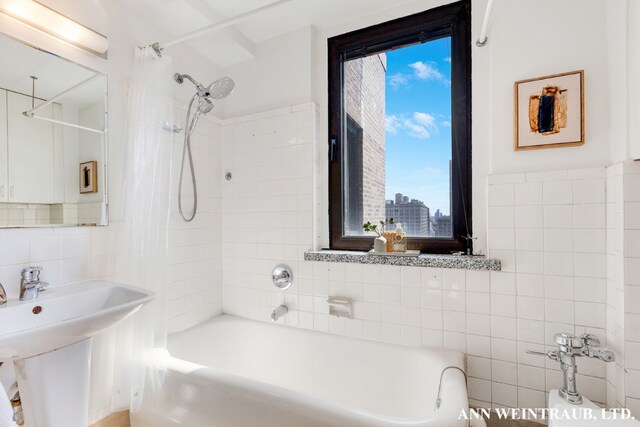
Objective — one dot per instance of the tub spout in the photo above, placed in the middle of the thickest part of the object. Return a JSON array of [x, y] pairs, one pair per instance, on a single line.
[[279, 312]]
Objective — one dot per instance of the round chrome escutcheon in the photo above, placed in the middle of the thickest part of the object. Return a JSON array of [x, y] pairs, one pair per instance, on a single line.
[[282, 277]]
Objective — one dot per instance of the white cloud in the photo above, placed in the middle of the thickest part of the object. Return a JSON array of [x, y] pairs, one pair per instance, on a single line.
[[424, 119], [445, 124], [426, 71], [391, 124], [447, 59], [416, 130], [419, 125], [398, 79]]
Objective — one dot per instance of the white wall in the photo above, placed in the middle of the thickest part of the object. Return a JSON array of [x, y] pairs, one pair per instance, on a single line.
[[523, 46]]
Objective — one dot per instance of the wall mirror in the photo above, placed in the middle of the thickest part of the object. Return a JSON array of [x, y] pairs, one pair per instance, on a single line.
[[53, 140]]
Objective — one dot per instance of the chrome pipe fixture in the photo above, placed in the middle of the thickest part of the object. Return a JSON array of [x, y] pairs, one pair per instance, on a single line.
[[279, 312], [34, 109], [219, 89], [482, 40], [30, 284], [569, 347]]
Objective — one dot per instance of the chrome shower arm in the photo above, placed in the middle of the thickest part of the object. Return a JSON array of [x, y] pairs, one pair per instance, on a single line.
[[180, 79]]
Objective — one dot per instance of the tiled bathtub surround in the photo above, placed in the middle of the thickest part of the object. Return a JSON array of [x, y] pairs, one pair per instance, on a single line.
[[268, 204], [548, 229]]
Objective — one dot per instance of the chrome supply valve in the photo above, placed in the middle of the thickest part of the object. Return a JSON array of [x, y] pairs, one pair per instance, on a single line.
[[30, 284], [569, 347]]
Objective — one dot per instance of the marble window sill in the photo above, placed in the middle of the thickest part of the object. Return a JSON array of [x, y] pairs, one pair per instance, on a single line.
[[462, 262]]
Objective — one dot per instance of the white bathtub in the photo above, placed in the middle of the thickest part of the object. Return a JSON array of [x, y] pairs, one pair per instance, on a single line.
[[235, 372]]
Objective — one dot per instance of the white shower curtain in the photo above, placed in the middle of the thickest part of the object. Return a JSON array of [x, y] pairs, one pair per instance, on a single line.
[[143, 233]]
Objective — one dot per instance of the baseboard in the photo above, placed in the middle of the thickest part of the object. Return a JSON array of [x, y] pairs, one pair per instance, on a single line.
[[117, 419]]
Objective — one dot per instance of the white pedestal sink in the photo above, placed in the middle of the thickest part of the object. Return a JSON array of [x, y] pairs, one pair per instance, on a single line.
[[49, 341]]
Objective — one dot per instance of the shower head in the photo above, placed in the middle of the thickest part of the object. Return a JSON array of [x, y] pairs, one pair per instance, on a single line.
[[221, 88], [204, 105]]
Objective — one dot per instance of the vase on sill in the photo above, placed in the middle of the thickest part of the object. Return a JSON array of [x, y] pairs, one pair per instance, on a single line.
[[380, 244]]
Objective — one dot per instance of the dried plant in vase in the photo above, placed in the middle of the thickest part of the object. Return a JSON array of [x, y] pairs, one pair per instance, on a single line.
[[379, 243]]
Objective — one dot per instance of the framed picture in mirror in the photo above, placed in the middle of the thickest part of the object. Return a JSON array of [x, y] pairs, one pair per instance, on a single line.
[[89, 177]]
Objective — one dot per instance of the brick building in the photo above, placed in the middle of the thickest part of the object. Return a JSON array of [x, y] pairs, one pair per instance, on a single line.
[[364, 98]]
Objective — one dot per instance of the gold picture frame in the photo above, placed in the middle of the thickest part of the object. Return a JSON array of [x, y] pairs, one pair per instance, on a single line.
[[549, 111], [89, 177]]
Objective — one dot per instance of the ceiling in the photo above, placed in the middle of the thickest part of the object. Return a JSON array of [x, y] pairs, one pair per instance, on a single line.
[[237, 43]]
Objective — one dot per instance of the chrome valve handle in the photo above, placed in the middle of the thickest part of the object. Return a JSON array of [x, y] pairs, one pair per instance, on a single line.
[[31, 273], [591, 348], [553, 354]]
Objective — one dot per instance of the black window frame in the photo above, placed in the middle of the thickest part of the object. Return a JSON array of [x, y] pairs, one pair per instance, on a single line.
[[452, 20]]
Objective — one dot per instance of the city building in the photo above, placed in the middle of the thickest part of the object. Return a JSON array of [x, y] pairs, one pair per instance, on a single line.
[[412, 214], [442, 226]]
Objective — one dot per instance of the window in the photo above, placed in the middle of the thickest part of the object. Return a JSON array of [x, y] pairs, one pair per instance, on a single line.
[[400, 130]]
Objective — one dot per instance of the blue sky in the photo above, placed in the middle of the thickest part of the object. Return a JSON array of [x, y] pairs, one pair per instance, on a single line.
[[418, 123]]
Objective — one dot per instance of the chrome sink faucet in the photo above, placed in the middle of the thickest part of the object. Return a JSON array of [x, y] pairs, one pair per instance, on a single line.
[[570, 347], [30, 284], [279, 312]]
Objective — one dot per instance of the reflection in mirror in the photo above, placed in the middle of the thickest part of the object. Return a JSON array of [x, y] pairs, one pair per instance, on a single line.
[[53, 141]]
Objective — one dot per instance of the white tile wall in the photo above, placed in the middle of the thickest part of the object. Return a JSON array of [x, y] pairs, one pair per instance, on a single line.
[[12, 214], [556, 281], [622, 290], [268, 219], [548, 229]]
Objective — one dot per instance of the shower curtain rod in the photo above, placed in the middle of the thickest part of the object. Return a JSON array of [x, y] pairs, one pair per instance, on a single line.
[[482, 40], [32, 113], [218, 25]]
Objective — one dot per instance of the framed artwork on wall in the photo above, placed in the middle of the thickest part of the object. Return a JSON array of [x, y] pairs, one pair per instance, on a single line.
[[549, 111], [89, 177]]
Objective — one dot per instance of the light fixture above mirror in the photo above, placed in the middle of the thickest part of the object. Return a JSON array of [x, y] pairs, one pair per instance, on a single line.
[[46, 20]]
